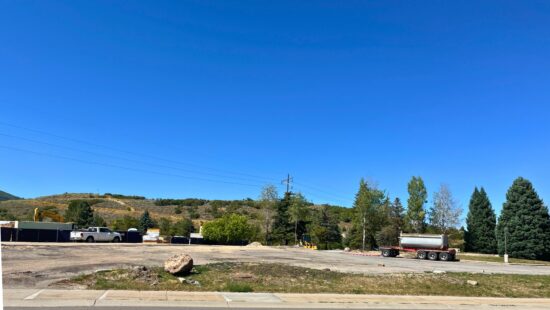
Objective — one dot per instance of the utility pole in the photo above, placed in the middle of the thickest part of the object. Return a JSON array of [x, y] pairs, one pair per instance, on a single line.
[[287, 181]]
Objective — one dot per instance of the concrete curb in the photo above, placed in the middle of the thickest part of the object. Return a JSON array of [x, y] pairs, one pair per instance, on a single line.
[[133, 299]]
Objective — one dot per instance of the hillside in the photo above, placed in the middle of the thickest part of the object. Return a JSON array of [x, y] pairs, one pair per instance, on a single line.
[[7, 196], [112, 206]]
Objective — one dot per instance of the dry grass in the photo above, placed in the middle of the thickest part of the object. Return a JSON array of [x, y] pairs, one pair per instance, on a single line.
[[287, 279]]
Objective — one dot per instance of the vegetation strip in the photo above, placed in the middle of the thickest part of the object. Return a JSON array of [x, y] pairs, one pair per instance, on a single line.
[[277, 278]]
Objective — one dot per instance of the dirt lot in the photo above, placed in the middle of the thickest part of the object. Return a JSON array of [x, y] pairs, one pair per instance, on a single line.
[[28, 265]]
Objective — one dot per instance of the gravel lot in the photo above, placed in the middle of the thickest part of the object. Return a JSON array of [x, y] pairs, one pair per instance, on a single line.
[[37, 265]]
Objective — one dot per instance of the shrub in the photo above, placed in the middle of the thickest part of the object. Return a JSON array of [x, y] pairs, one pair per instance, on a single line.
[[229, 229]]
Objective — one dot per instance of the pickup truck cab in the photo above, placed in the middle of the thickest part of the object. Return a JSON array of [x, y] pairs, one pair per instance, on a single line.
[[96, 234]]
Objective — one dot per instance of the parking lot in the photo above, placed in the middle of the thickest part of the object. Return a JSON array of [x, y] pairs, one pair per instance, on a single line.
[[37, 265]]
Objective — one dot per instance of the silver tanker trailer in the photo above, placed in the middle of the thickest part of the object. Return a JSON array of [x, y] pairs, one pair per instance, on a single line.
[[425, 246]]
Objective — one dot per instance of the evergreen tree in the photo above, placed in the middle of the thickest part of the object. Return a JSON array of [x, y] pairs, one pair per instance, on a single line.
[[525, 221], [283, 230], [326, 231], [415, 217], [481, 224], [145, 222], [389, 234], [80, 213]]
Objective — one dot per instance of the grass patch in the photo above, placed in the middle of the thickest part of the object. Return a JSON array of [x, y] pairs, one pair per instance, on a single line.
[[498, 259], [248, 277], [238, 287]]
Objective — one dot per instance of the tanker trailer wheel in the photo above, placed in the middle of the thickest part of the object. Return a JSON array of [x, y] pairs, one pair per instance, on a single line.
[[386, 252], [432, 255], [421, 255], [444, 256]]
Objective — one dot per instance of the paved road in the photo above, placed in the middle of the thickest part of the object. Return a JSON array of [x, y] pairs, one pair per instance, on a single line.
[[28, 265]]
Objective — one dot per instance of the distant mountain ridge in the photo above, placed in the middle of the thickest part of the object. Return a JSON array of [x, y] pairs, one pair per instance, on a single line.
[[7, 196]]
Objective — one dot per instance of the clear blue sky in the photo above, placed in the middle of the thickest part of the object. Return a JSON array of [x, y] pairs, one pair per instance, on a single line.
[[457, 93]]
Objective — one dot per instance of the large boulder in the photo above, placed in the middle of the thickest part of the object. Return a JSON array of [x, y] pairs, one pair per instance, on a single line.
[[179, 264]]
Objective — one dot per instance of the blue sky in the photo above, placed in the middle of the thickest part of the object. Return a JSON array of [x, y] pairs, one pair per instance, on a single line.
[[154, 97]]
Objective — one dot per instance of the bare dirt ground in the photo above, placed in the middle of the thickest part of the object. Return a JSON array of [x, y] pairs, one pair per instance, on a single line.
[[38, 265]]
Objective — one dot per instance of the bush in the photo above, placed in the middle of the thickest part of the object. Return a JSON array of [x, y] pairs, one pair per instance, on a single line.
[[229, 229]]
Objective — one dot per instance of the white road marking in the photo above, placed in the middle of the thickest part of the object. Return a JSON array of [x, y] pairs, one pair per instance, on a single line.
[[104, 295], [33, 296]]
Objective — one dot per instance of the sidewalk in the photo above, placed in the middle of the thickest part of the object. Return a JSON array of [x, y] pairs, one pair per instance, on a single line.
[[133, 299]]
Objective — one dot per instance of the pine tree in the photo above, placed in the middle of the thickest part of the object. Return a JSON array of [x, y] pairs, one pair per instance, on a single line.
[[146, 222], [283, 230], [80, 212], [415, 217], [481, 224], [326, 230], [524, 222]]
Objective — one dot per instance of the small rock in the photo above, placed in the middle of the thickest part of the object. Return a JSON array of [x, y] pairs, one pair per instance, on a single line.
[[193, 282], [179, 263], [326, 269], [181, 279], [472, 282], [439, 272], [381, 265], [347, 250]]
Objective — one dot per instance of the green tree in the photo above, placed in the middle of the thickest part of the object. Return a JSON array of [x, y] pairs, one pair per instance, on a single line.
[[282, 227], [445, 212], [125, 223], [6, 215], [183, 227], [80, 213], [481, 224], [297, 211], [326, 230], [268, 200], [389, 234], [145, 222], [371, 214], [229, 229], [526, 220], [165, 226], [415, 216]]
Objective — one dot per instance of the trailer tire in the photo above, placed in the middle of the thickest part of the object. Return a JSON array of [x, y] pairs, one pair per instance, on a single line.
[[386, 253], [444, 256], [90, 239], [394, 253], [433, 256], [421, 255]]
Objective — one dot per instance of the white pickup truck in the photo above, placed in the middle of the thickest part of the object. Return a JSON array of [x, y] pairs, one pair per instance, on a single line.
[[94, 234]]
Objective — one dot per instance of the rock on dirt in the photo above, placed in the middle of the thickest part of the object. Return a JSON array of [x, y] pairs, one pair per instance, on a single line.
[[472, 282], [255, 244], [179, 264]]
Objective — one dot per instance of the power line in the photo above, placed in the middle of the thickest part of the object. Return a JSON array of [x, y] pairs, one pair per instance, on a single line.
[[125, 158], [123, 167], [134, 153], [287, 181]]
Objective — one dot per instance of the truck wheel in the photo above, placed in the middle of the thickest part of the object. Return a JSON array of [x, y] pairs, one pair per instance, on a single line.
[[421, 255], [395, 253], [432, 255], [116, 240], [444, 256], [90, 239], [386, 253]]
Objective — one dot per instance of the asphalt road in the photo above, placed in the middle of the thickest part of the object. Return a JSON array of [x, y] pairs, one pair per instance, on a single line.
[[37, 265]]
